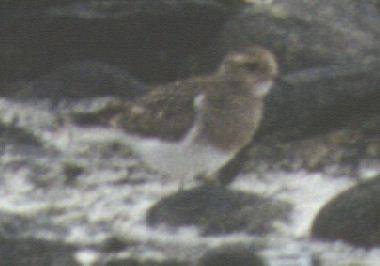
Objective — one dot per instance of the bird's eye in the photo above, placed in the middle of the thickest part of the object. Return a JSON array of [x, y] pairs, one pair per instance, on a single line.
[[252, 66]]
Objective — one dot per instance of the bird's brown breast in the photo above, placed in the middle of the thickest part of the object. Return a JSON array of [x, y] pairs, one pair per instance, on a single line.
[[231, 122]]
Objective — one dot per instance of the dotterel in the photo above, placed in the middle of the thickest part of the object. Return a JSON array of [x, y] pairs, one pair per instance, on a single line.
[[192, 128]]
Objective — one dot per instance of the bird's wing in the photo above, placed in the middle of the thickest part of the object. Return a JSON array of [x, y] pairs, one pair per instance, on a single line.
[[167, 112]]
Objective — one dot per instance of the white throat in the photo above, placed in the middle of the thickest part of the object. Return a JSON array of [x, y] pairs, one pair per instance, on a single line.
[[263, 88]]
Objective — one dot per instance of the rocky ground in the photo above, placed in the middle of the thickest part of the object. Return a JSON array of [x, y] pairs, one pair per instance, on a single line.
[[72, 198]]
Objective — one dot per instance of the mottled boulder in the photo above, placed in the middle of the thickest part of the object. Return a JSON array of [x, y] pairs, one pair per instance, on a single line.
[[14, 135], [345, 151], [231, 255], [78, 80], [309, 33], [154, 39], [143, 262], [216, 210], [352, 216]]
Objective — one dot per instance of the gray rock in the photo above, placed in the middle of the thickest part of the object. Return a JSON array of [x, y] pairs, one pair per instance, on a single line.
[[17, 135], [352, 216], [81, 79], [231, 255], [144, 262], [153, 39], [216, 210], [342, 151], [309, 33]]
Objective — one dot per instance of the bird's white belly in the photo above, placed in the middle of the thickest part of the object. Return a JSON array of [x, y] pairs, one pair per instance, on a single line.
[[182, 160]]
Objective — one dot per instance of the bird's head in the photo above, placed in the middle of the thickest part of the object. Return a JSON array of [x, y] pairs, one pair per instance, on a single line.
[[255, 66]]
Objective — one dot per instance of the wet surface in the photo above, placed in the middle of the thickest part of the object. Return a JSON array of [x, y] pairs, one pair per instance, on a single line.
[[84, 187]]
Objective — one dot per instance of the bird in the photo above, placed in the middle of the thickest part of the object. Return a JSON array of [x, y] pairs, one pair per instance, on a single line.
[[189, 129]]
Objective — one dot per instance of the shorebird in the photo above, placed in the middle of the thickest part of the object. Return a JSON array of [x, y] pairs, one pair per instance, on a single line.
[[191, 128]]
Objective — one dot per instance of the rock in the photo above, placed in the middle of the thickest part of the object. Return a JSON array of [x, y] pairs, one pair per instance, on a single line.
[[352, 216], [35, 252], [81, 79], [17, 135], [154, 39], [325, 99], [216, 210], [231, 255], [308, 33], [95, 118], [144, 262], [345, 151], [71, 171]]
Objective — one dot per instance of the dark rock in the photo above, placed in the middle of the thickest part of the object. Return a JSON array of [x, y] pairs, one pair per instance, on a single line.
[[35, 252], [218, 211], [231, 255], [72, 170], [114, 244], [144, 262], [154, 39], [308, 33], [31, 4], [315, 101], [352, 216], [17, 135], [98, 118], [16, 226], [81, 79], [343, 151]]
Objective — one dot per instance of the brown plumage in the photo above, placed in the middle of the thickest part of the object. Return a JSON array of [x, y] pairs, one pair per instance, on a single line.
[[232, 108], [194, 127]]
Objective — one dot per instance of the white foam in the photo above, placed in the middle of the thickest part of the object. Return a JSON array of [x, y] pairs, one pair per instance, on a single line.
[[305, 191], [100, 205]]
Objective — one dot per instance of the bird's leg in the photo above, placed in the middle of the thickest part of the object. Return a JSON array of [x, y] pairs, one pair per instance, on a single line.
[[200, 177], [70, 136], [207, 179], [181, 184], [182, 181]]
